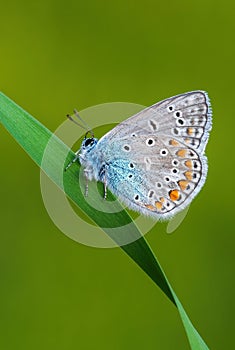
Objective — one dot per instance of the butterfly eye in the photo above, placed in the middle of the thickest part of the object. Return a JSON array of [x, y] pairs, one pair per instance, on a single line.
[[88, 142]]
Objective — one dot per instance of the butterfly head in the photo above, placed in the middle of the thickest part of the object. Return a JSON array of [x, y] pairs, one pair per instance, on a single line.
[[88, 144]]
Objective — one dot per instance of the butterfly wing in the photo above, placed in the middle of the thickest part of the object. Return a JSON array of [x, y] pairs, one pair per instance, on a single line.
[[155, 161]]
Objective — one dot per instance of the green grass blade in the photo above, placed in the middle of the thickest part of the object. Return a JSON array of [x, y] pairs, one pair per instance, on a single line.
[[34, 138]]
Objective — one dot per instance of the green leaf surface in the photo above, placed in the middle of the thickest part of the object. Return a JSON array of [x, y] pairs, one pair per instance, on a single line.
[[35, 138]]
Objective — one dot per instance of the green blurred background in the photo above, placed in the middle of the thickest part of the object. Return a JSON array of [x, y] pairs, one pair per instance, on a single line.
[[56, 293]]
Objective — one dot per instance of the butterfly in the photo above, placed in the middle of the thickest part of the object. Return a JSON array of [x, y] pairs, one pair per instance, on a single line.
[[154, 161]]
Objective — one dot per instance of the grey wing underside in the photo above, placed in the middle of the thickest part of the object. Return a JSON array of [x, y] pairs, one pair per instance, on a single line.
[[155, 161]]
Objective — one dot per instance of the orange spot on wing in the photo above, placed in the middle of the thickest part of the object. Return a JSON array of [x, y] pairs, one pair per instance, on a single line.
[[174, 195], [158, 205], [190, 131], [174, 143], [189, 164], [162, 199], [181, 153], [188, 175], [150, 206], [183, 184]]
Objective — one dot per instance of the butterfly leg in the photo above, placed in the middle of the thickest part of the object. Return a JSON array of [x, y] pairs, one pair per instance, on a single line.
[[105, 189], [86, 186], [72, 162], [105, 181]]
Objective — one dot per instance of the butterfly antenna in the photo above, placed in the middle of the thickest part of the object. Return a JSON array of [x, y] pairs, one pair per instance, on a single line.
[[74, 121], [86, 126]]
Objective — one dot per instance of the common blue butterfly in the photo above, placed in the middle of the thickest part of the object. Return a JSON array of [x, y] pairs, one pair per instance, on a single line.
[[154, 161]]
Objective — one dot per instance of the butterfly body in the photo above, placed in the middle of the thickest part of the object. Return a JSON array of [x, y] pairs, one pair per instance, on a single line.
[[154, 161]]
